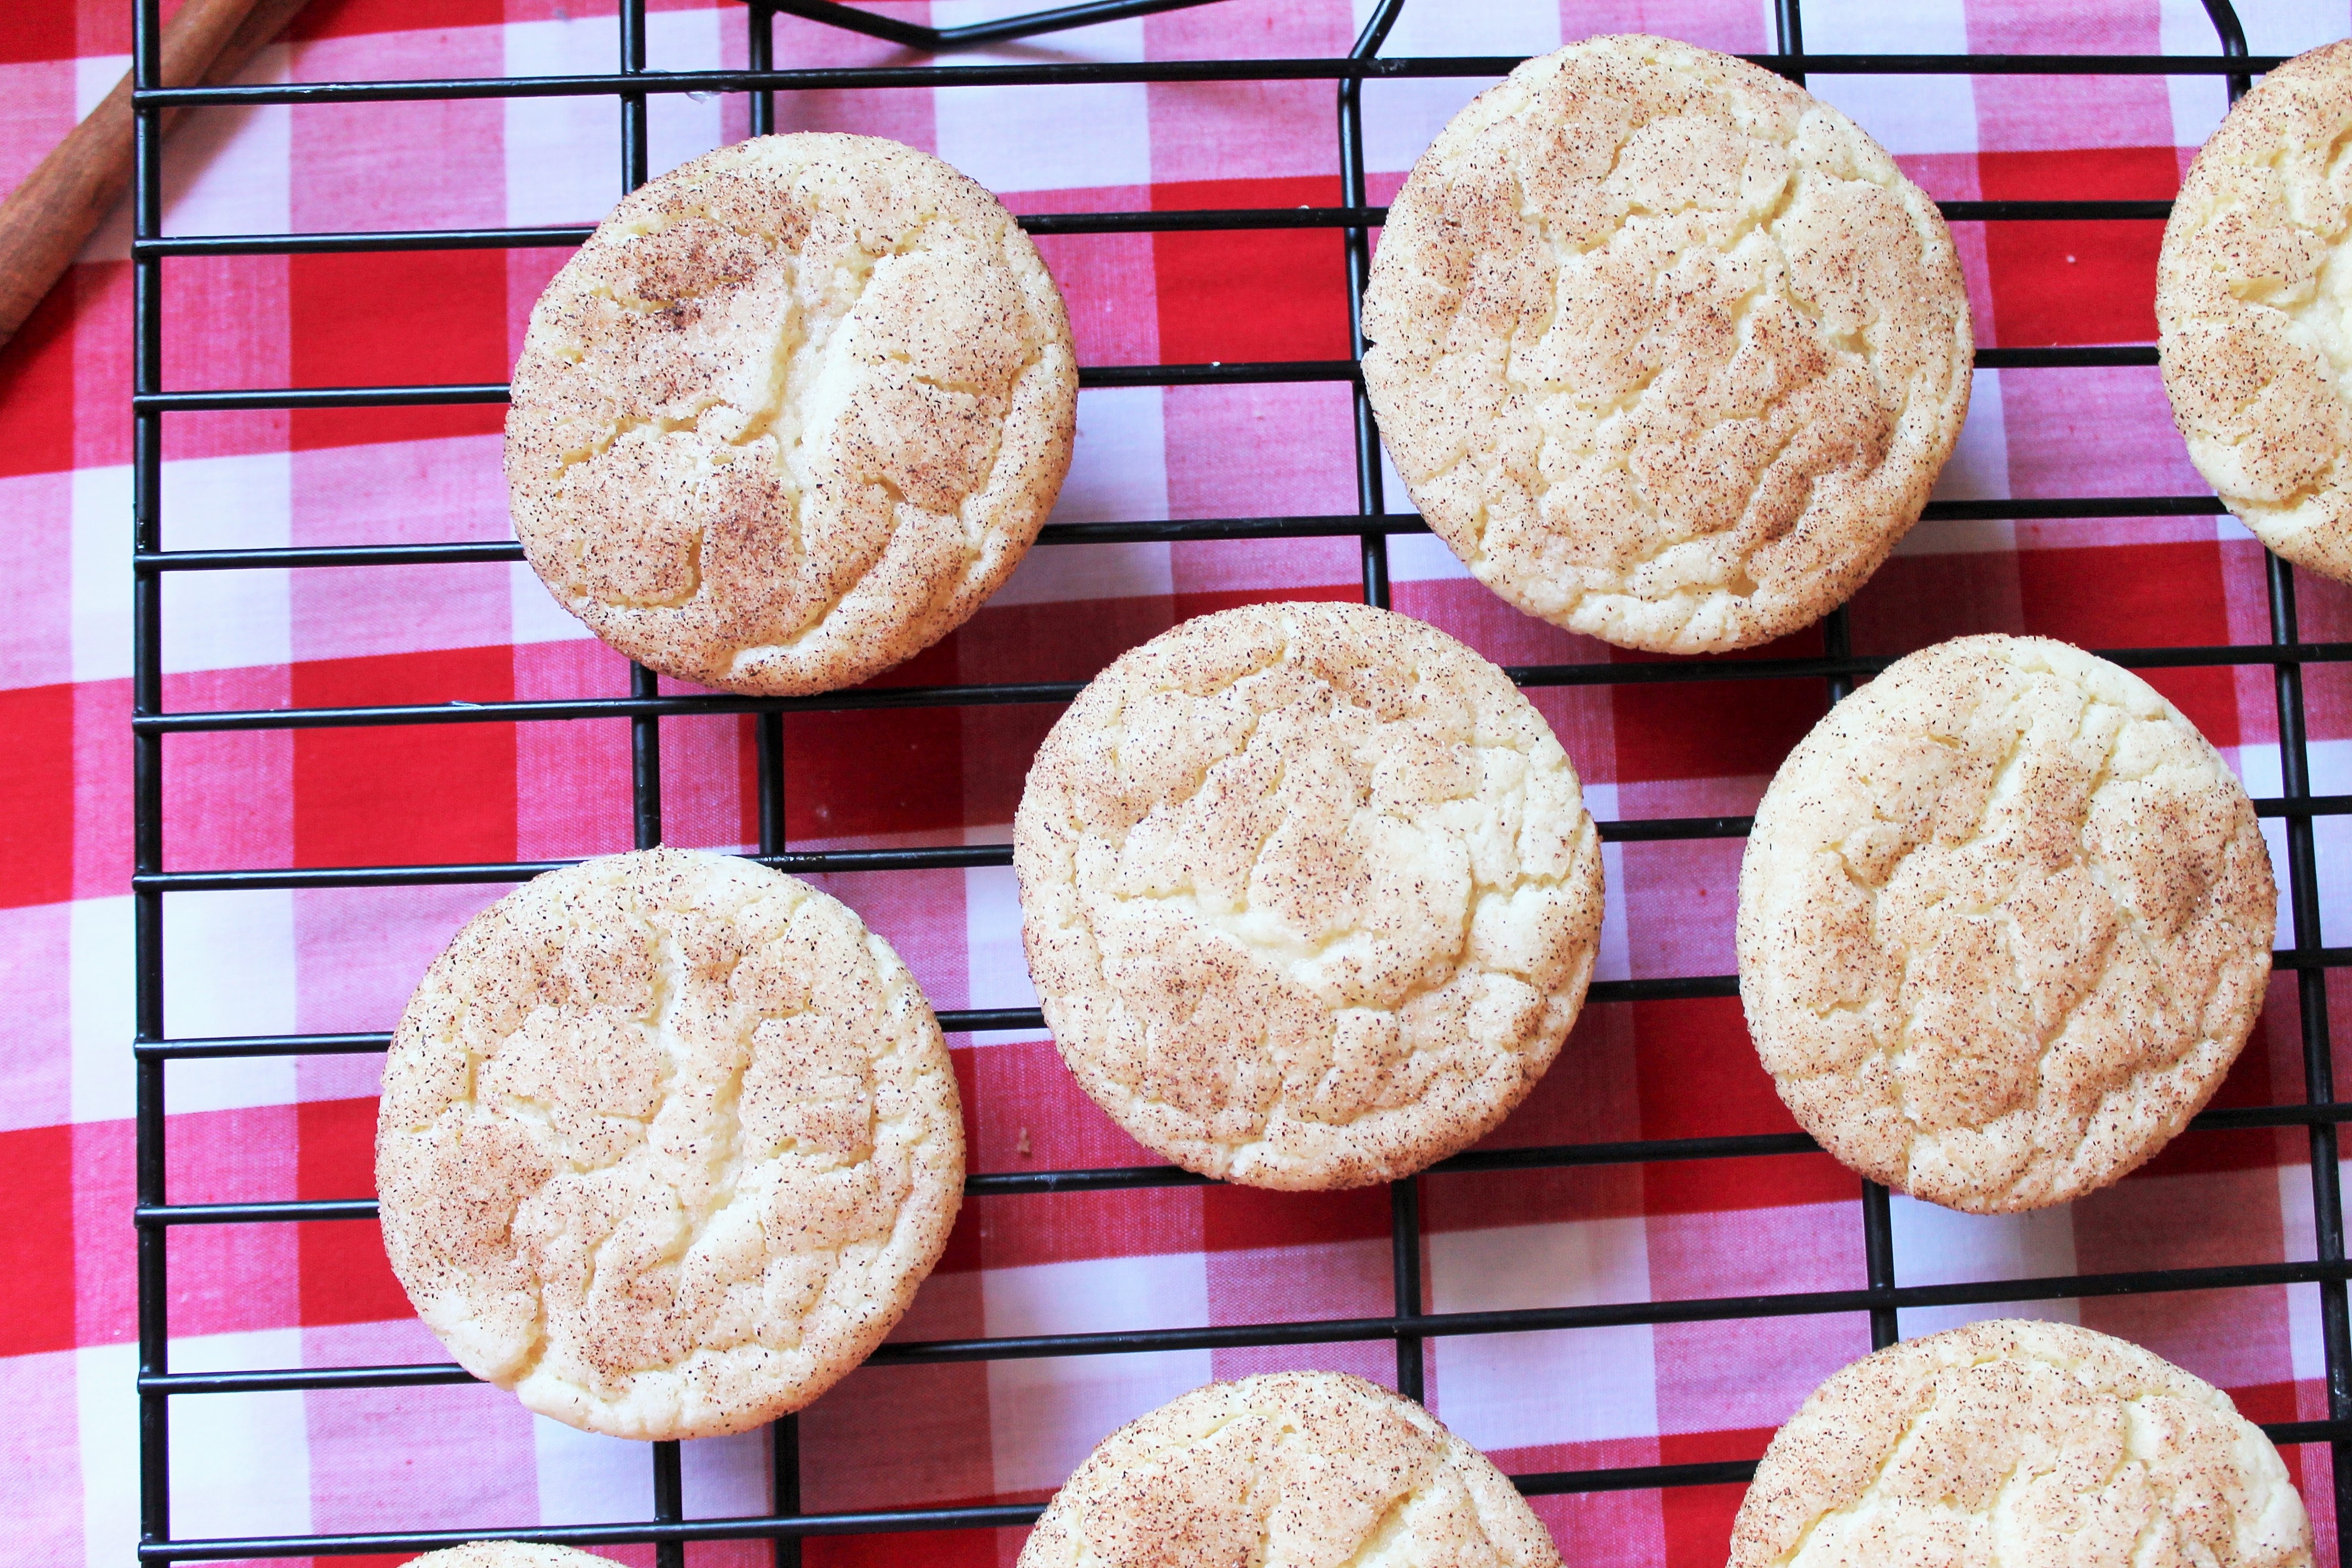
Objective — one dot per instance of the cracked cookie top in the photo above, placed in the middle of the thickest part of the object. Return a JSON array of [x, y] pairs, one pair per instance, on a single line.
[[1667, 351], [2025, 1443], [1309, 893], [668, 1140], [2253, 309], [792, 413], [2005, 920], [1298, 1469]]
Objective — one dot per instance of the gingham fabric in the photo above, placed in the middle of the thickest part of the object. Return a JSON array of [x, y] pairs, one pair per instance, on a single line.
[[321, 1294]]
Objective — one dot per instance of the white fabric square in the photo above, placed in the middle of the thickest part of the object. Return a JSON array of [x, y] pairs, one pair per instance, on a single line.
[[212, 620], [1044, 138], [536, 615], [241, 1462], [106, 1413], [1044, 1416], [1615, 959], [681, 125], [1874, 27], [2329, 765], [1977, 470], [1119, 464], [997, 966], [1936, 1246], [724, 1477], [1505, 1390], [1402, 117], [94, 78], [564, 154], [586, 1478], [102, 1017], [1903, 113], [102, 573], [1119, 473], [2306, 1349], [228, 969]]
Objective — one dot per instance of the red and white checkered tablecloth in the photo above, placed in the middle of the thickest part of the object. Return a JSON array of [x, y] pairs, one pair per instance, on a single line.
[[327, 960]]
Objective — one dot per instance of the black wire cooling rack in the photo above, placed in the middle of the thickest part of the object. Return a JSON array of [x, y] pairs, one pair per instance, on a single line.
[[644, 708]]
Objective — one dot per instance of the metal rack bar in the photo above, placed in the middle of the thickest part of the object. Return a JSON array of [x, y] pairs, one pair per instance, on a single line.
[[1142, 530], [1170, 221], [1405, 1327], [217, 400], [1391, 67], [1552, 1156], [147, 778], [1052, 691]]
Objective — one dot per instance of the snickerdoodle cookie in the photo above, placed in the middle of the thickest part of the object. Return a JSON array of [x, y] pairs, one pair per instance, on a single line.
[[2252, 291], [2005, 920], [510, 1555], [1287, 1467], [1667, 350], [1309, 893], [791, 413], [2032, 1444], [668, 1141]]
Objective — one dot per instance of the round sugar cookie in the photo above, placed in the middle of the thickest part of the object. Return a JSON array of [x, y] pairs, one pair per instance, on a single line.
[[1667, 351], [1309, 893], [1287, 1467], [2005, 920], [792, 413], [668, 1140], [2253, 289], [2024, 1443], [510, 1555]]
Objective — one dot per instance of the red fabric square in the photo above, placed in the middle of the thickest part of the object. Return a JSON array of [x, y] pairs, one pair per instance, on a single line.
[[1254, 294], [1027, 1112], [346, 18], [2167, 594], [885, 770], [37, 1255], [37, 32], [947, 1548], [346, 1278], [1064, 1228], [2074, 282], [1700, 1078], [1235, 1218], [397, 318], [1699, 1519], [1714, 729], [417, 793], [36, 388], [37, 794]]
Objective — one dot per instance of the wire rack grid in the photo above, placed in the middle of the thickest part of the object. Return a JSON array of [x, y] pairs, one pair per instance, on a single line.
[[1409, 1326]]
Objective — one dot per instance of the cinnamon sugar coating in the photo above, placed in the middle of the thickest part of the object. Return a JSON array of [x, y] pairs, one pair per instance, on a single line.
[[795, 409], [2005, 920], [668, 1140], [2252, 293], [1310, 894], [2032, 1444], [1667, 351], [1299, 1469]]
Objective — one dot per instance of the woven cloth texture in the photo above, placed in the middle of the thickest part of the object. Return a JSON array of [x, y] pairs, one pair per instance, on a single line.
[[326, 960]]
